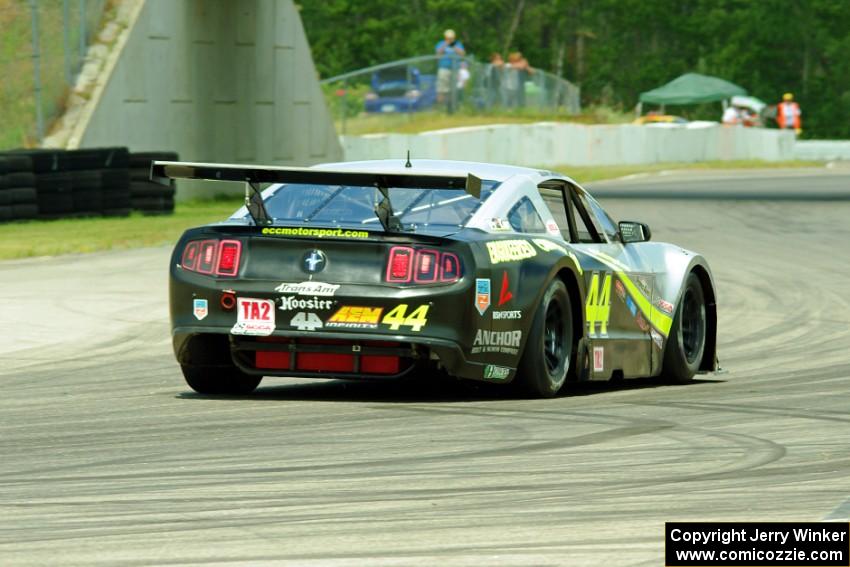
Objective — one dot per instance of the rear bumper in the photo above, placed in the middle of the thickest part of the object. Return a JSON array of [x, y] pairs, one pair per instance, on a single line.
[[211, 345]]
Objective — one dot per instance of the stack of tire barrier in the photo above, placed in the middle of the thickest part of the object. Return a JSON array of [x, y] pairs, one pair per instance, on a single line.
[[17, 188], [101, 181], [52, 184], [145, 195]]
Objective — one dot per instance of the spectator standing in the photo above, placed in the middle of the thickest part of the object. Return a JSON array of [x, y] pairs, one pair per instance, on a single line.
[[731, 116], [493, 79], [463, 76], [448, 49], [518, 73], [788, 114]]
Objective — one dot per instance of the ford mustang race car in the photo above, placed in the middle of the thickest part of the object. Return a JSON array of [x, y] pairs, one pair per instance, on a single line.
[[383, 269]]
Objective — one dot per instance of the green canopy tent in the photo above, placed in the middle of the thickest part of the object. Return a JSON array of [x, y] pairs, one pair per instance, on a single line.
[[692, 88]]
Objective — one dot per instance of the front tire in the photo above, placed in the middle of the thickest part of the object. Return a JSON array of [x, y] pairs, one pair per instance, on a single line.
[[549, 349], [686, 343], [217, 380]]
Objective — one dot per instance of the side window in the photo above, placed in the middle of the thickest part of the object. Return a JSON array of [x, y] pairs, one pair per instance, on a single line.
[[523, 217], [586, 225], [575, 224], [554, 199], [606, 223]]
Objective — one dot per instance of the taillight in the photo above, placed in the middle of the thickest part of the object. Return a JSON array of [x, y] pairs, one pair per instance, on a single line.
[[406, 264], [400, 264], [228, 257], [212, 257]]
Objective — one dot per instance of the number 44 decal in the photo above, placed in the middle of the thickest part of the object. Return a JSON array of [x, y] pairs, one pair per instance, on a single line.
[[398, 317], [598, 306]]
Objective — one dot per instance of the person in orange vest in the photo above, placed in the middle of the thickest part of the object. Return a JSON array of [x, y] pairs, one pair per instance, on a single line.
[[788, 114]]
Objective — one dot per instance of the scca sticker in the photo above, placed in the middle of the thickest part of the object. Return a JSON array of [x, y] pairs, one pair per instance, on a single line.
[[398, 318], [510, 250], [356, 317]]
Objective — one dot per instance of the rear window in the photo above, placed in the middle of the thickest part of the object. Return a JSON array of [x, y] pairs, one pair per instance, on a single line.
[[417, 209]]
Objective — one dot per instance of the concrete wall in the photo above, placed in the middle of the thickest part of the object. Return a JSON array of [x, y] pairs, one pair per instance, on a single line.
[[549, 144], [215, 80], [822, 150]]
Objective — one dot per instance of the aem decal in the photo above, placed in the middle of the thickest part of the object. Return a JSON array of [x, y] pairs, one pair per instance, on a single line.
[[506, 342], [482, 295], [356, 317], [598, 305], [398, 318], [510, 250], [493, 372], [308, 288], [313, 232]]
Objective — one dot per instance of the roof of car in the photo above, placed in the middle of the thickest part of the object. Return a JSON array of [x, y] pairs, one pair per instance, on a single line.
[[491, 171]]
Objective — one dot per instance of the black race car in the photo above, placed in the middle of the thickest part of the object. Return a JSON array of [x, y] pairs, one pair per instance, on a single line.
[[381, 269]]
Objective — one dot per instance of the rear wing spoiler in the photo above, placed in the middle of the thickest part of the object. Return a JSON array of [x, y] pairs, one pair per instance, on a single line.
[[254, 175]]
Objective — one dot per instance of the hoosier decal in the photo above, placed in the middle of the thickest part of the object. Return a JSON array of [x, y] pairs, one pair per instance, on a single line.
[[290, 303], [510, 250], [505, 342]]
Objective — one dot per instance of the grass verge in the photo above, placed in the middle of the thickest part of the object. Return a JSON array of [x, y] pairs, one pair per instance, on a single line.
[[25, 239], [49, 238], [415, 122]]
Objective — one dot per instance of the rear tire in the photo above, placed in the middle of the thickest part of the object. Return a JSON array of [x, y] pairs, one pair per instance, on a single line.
[[686, 343], [219, 379], [548, 351]]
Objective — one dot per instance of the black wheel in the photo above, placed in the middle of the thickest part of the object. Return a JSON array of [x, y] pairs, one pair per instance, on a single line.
[[549, 350], [686, 343], [219, 379]]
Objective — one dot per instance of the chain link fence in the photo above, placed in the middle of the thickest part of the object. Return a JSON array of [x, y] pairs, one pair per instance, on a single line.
[[43, 46], [446, 84]]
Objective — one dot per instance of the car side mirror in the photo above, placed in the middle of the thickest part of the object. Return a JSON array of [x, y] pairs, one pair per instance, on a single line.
[[631, 231]]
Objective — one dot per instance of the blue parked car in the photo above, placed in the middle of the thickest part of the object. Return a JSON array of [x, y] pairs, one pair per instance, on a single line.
[[397, 90]]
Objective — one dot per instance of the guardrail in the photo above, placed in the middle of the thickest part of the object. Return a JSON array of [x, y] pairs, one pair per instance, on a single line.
[[549, 144]]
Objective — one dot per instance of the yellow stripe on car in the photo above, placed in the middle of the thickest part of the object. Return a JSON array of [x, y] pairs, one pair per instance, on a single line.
[[655, 316]]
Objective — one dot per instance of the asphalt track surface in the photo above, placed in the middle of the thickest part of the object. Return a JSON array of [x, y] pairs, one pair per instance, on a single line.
[[107, 459]]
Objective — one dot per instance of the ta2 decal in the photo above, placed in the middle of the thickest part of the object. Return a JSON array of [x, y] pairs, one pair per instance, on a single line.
[[254, 317]]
